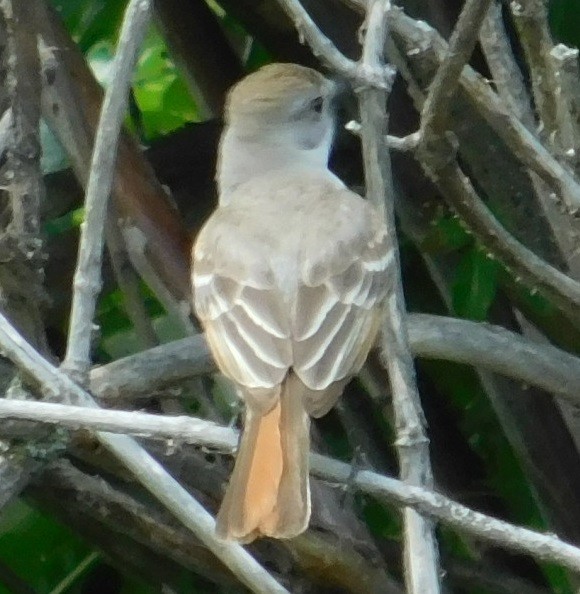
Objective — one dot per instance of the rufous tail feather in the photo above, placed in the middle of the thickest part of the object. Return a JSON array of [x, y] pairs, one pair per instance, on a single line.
[[268, 493]]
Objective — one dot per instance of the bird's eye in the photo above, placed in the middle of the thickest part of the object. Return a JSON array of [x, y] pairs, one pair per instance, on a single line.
[[317, 104]]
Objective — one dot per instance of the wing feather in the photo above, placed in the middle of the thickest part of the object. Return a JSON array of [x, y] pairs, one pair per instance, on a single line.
[[237, 301], [275, 295], [351, 276]]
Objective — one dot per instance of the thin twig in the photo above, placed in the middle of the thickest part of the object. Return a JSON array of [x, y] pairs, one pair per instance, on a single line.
[[524, 145], [507, 76], [143, 466], [379, 76], [435, 114], [87, 280], [435, 505], [421, 555]]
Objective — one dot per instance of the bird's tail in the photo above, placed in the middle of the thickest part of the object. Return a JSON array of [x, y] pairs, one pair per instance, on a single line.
[[269, 492]]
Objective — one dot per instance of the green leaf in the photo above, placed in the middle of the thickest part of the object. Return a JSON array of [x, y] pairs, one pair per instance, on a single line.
[[475, 285], [564, 21], [92, 21], [160, 92], [70, 220], [446, 235], [38, 549]]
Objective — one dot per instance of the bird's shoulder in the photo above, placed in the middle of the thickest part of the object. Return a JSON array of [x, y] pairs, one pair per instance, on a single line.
[[308, 216]]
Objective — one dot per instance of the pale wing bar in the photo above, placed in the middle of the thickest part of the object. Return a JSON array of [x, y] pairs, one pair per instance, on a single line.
[[244, 330]]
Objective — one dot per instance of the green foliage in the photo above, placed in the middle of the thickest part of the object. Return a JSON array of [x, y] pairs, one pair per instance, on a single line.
[[475, 284], [565, 21], [92, 21], [38, 549], [161, 94]]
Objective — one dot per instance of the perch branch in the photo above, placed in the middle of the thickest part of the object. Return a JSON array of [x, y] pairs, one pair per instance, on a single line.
[[542, 546], [143, 466], [433, 337]]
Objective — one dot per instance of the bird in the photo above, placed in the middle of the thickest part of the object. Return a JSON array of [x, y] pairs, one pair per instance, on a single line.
[[290, 274]]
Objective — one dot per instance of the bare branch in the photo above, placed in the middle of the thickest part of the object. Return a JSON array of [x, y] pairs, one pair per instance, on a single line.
[[526, 267], [498, 350], [143, 466], [435, 114], [507, 77], [531, 21], [473, 343], [128, 281], [152, 370], [564, 62], [87, 280], [71, 102], [180, 428], [524, 145], [421, 556], [379, 76], [463, 519], [435, 505], [22, 174]]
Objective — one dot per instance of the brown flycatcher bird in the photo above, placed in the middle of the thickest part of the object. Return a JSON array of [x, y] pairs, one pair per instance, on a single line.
[[289, 276]]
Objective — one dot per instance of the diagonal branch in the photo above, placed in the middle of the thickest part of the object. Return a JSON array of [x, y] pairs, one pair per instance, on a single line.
[[418, 35], [87, 280], [142, 465], [379, 75], [435, 115]]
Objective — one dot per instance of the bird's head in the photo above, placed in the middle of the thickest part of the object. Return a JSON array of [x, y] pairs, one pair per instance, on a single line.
[[287, 103]]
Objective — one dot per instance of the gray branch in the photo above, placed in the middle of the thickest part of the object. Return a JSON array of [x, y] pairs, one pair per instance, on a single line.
[[433, 337], [143, 466], [421, 555], [542, 546], [418, 35], [379, 76], [87, 280], [435, 115]]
